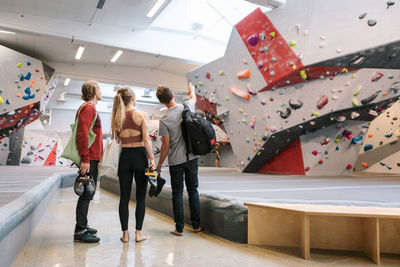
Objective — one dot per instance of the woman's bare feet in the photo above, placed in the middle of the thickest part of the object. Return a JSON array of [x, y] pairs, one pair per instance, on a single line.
[[139, 236], [174, 232], [125, 236]]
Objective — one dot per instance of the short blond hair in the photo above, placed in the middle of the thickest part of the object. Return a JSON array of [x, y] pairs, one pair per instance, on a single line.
[[89, 89]]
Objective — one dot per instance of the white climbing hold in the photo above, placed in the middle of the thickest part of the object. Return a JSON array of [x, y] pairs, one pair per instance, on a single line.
[[305, 32], [334, 97], [338, 50], [323, 44], [397, 133], [322, 37], [354, 115]]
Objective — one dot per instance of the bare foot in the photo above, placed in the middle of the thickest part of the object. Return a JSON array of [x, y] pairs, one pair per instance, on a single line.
[[139, 236], [125, 237], [198, 230], [174, 232]]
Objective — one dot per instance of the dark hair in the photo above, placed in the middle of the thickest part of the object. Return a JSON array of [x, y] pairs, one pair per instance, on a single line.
[[89, 90], [164, 94]]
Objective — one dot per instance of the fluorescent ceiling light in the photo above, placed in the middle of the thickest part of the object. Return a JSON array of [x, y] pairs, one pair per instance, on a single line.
[[79, 53], [67, 80], [164, 108], [8, 32], [155, 8], [116, 56]]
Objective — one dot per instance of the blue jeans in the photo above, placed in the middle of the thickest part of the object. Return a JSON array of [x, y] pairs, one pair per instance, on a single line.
[[188, 169]]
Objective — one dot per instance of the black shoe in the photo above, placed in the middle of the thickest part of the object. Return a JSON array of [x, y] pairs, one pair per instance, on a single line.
[[86, 237], [160, 184], [152, 190], [91, 230], [151, 177]]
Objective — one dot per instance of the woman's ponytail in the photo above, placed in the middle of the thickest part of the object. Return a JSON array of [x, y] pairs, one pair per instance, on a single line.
[[118, 115]]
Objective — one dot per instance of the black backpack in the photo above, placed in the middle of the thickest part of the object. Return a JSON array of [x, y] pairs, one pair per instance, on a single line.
[[198, 133]]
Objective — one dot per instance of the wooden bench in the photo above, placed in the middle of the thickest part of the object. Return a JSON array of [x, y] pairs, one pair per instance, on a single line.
[[369, 229]]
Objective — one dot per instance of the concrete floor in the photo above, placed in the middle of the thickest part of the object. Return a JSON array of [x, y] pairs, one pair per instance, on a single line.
[[361, 189], [51, 243]]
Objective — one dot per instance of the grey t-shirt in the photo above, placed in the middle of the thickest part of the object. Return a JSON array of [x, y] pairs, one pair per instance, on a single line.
[[170, 125]]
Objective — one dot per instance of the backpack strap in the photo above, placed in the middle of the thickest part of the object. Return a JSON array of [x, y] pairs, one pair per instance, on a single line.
[[184, 131]]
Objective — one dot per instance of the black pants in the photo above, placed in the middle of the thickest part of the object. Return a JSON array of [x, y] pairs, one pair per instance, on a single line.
[[185, 172], [132, 162], [82, 207]]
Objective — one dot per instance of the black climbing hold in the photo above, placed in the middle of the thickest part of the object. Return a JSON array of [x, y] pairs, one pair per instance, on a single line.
[[389, 3], [380, 143], [286, 114], [362, 15], [369, 99], [372, 22], [398, 164], [295, 105]]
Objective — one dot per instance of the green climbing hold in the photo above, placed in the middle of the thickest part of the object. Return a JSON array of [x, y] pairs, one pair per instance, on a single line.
[[292, 43], [227, 98], [262, 36], [19, 65], [272, 34], [221, 73], [273, 59], [222, 84], [315, 113], [358, 91], [265, 49]]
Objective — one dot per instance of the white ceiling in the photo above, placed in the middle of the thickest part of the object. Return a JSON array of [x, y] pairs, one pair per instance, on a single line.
[[55, 49], [120, 13]]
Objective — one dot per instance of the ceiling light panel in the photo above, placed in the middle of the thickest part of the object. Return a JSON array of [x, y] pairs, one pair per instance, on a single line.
[[155, 8], [79, 53], [116, 56]]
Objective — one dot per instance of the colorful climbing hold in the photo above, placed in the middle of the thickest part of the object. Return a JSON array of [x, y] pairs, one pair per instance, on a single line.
[[292, 43], [253, 40], [303, 75], [208, 75], [323, 100], [272, 34], [368, 147], [364, 164], [347, 134], [221, 73], [315, 152], [19, 65], [295, 105], [357, 91], [251, 91], [236, 91], [389, 133], [286, 113], [245, 74], [349, 166], [376, 77], [1, 100], [354, 102]]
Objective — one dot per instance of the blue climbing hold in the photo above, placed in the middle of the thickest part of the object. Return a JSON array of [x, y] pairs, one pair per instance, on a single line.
[[28, 90], [28, 76], [8, 102], [356, 140], [368, 147], [28, 63], [337, 147]]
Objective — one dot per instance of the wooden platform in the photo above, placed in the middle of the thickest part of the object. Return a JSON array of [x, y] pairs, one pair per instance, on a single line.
[[369, 229]]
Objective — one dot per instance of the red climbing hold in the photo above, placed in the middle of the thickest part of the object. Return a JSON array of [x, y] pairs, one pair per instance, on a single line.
[[307, 169], [323, 100], [320, 161], [376, 77], [208, 75], [315, 152], [349, 166]]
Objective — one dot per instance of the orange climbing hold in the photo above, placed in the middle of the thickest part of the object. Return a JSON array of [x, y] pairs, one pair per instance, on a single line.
[[254, 149], [236, 91], [245, 74], [364, 164], [267, 128], [370, 135]]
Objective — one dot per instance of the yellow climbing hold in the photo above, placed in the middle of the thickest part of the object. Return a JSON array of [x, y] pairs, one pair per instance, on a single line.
[[358, 91], [1, 100], [292, 43], [19, 65], [272, 34], [221, 73], [345, 70], [303, 75], [315, 113], [354, 102], [255, 134], [353, 76], [294, 67]]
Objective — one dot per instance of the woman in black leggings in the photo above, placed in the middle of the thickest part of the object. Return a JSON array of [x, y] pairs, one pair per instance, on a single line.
[[130, 126]]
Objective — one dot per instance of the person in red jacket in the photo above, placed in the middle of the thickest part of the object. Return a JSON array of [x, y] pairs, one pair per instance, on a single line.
[[90, 157]]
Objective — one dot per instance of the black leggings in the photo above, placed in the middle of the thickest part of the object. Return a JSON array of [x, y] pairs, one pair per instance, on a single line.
[[132, 162]]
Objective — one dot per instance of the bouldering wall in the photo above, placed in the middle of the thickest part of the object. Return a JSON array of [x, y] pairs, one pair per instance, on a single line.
[[297, 86], [380, 151], [22, 83]]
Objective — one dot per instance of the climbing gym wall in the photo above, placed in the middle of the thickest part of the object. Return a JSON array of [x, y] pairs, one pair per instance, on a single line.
[[22, 83], [380, 151], [297, 86]]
